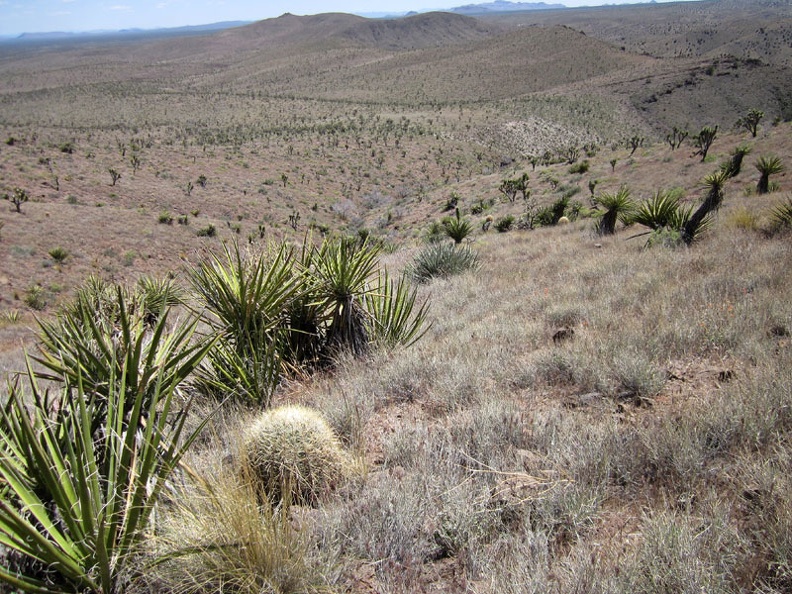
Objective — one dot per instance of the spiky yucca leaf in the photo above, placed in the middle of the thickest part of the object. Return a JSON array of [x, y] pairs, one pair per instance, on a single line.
[[660, 211], [75, 508], [395, 316], [618, 207], [246, 299], [157, 295], [92, 351], [245, 295], [781, 215]]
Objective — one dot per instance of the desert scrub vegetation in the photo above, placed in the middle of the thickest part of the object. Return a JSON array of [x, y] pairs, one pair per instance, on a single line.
[[280, 310], [525, 456]]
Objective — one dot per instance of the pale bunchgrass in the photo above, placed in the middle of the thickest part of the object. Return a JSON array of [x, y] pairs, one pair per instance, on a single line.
[[219, 533]]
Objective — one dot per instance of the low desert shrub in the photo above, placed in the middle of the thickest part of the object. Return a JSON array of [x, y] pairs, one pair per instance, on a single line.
[[207, 231], [58, 254], [505, 223]]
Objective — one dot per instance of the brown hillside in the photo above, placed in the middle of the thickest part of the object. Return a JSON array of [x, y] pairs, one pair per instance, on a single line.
[[434, 29]]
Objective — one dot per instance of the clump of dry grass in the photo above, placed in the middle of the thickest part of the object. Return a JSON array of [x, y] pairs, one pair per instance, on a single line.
[[221, 535]]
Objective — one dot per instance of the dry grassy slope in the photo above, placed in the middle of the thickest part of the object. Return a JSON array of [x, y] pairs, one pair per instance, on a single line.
[[507, 66], [424, 30]]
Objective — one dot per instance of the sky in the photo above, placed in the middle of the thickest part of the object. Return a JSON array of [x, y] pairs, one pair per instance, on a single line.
[[33, 16]]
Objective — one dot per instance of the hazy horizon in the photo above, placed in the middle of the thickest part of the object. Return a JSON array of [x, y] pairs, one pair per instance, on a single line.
[[43, 16]]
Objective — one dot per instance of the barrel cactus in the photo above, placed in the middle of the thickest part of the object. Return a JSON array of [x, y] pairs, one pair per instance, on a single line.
[[294, 456]]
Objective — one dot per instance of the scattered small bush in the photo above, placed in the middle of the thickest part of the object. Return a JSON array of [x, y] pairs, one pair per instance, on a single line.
[[58, 254], [208, 231], [504, 224], [35, 298], [581, 167]]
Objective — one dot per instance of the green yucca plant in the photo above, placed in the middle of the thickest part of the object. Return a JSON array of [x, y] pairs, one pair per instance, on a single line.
[[80, 480], [395, 317], [285, 313], [457, 228], [767, 166], [733, 166], [441, 260], [342, 271], [245, 300], [700, 220], [93, 350], [618, 206], [781, 215], [58, 254], [660, 211], [157, 295]]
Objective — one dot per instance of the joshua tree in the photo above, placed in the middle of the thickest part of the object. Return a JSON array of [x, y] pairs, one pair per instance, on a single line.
[[767, 166], [17, 198], [698, 220], [635, 143], [676, 138], [294, 220], [511, 187], [733, 166], [114, 175], [750, 121], [704, 140]]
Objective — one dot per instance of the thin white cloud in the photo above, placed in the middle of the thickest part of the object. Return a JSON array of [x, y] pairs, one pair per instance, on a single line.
[[120, 7]]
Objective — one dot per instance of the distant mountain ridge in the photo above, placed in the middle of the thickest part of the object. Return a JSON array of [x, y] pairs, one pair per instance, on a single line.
[[70, 35], [498, 6], [504, 6]]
